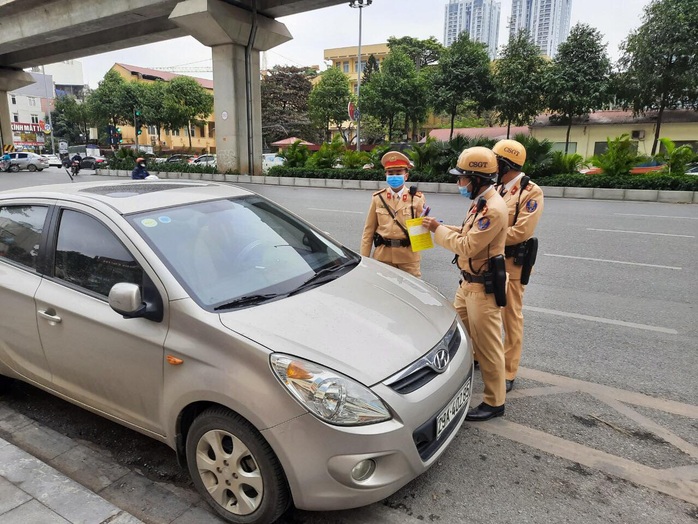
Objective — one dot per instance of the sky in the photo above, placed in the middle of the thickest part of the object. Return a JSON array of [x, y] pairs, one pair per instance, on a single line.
[[338, 26]]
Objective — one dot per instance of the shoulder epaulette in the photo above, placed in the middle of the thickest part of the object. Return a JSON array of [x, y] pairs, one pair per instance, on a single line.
[[419, 193], [380, 191]]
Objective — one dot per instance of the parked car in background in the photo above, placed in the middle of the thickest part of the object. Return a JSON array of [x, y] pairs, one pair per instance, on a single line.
[[692, 170], [182, 159], [30, 161], [205, 160], [93, 162], [210, 318], [54, 160], [270, 160]]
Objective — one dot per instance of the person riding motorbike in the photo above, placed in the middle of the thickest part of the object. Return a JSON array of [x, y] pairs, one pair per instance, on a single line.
[[140, 172], [5, 162], [75, 163]]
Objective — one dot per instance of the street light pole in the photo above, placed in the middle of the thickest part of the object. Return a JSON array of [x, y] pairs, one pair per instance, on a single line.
[[359, 4], [48, 107]]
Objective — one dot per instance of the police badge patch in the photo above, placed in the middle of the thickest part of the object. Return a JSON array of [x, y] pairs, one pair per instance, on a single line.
[[483, 223], [531, 206]]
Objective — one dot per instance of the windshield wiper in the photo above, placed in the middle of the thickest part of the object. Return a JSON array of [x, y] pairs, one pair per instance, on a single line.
[[248, 299], [324, 275]]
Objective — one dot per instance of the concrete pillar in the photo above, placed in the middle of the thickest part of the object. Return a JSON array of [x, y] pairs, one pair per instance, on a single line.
[[227, 30], [10, 80]]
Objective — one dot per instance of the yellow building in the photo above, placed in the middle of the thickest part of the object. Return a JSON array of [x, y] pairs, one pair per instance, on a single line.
[[588, 136], [203, 138], [347, 59]]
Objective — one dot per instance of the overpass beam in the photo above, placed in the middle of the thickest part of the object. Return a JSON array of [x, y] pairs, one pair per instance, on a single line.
[[230, 32], [10, 80]]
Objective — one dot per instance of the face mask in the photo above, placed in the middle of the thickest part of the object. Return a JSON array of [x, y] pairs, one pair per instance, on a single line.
[[464, 191], [142, 164], [395, 181]]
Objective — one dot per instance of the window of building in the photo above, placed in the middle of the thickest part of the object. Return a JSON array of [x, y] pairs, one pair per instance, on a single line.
[[88, 255], [346, 67], [13, 98], [560, 146], [152, 130], [15, 117], [20, 233], [175, 132], [192, 131], [601, 147], [35, 119], [32, 101]]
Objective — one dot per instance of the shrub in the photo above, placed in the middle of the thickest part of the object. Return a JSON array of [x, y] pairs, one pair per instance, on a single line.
[[620, 157], [296, 155], [675, 158], [656, 180], [562, 163]]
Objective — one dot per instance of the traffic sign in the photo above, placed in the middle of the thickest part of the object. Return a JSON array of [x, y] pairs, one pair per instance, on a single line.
[[47, 128], [62, 147]]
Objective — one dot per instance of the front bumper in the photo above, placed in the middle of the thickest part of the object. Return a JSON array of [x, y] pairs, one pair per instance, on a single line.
[[318, 458]]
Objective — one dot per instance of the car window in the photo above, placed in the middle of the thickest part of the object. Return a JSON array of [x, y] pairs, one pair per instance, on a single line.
[[225, 249], [20, 233], [22, 155], [89, 255]]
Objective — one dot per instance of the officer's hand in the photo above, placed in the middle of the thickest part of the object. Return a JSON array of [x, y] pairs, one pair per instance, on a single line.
[[430, 223]]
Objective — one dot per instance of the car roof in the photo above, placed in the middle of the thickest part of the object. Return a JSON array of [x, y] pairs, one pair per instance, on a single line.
[[131, 196]]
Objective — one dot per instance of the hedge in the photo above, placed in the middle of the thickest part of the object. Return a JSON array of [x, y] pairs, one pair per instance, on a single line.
[[660, 181]]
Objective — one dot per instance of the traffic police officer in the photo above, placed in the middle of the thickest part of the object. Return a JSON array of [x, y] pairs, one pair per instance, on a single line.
[[524, 200], [385, 226], [476, 242]]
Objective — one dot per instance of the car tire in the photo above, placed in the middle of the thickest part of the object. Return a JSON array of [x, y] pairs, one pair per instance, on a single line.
[[5, 383], [234, 468], [31, 167], [14, 168]]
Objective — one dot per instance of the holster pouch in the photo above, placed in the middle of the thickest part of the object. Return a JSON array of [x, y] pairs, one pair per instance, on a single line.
[[377, 240], [499, 280], [529, 259]]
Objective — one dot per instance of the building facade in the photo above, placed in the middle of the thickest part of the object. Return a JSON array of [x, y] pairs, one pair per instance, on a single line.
[[478, 18], [203, 137], [548, 22], [347, 60], [29, 107]]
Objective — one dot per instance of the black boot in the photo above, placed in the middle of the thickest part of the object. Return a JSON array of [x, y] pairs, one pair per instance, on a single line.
[[484, 412], [510, 385]]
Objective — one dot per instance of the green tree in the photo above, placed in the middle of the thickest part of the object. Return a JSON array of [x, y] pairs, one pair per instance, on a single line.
[[285, 93], [462, 78], [71, 119], [577, 82], [659, 65], [518, 81], [370, 68], [186, 103], [112, 101], [329, 99], [675, 158], [150, 99], [421, 52]]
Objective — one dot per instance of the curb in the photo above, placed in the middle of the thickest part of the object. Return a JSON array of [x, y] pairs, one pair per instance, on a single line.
[[595, 193]]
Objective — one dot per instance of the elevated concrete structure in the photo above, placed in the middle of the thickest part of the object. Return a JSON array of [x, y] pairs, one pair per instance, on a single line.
[[36, 32]]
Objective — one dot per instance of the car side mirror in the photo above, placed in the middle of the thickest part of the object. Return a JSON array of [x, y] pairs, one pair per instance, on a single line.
[[125, 298]]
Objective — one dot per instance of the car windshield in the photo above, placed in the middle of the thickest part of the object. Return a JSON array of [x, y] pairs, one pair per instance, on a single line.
[[240, 252]]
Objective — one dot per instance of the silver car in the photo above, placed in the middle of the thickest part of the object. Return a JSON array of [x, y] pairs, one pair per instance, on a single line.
[[282, 367], [30, 161]]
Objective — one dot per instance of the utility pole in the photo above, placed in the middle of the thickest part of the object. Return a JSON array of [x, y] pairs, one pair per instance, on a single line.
[[359, 4]]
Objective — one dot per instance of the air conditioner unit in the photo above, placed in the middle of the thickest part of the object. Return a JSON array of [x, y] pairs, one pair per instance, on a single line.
[[638, 134]]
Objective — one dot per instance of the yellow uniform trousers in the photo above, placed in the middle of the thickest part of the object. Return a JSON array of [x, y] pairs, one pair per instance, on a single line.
[[512, 321], [482, 318]]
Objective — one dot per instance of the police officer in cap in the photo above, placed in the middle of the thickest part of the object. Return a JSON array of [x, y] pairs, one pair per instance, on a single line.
[[385, 227], [480, 239], [524, 200]]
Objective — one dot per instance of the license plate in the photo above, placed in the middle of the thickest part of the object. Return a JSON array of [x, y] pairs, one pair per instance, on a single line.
[[451, 411]]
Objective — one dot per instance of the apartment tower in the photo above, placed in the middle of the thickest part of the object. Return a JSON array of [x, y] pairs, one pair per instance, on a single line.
[[548, 21], [478, 18]]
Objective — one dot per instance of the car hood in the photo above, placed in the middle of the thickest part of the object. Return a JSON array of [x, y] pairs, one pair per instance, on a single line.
[[368, 324]]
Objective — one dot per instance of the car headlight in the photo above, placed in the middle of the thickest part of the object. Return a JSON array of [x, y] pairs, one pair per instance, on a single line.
[[329, 395]]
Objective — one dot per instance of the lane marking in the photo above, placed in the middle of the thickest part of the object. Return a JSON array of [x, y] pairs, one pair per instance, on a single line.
[[602, 320], [639, 232], [653, 216], [613, 261], [335, 211]]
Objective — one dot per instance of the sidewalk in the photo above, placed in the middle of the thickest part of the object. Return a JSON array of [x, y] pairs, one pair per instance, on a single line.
[[32, 491]]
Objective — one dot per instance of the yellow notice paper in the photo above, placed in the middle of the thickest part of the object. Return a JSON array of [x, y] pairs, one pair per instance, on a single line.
[[420, 237]]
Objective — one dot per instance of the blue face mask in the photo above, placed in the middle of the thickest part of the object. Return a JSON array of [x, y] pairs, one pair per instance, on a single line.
[[395, 181], [465, 191]]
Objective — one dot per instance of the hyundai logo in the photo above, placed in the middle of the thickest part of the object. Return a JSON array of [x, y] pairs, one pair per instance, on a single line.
[[440, 362]]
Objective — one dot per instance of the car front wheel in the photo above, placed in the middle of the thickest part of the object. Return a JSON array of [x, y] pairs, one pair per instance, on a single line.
[[235, 469], [14, 168], [31, 167]]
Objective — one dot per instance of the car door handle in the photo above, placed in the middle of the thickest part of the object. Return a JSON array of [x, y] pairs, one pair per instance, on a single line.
[[50, 316]]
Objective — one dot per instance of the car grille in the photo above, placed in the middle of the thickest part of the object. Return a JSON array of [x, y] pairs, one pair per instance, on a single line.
[[421, 372], [424, 436]]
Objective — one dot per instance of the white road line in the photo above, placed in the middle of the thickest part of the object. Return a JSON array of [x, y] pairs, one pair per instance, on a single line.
[[653, 216], [601, 320], [638, 232], [612, 261], [336, 211]]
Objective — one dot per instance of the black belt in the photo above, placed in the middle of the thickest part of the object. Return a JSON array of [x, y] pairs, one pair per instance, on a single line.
[[510, 251], [476, 279], [396, 242]]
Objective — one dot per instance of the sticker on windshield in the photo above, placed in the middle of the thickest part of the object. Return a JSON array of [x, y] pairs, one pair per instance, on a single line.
[[149, 222], [165, 220]]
